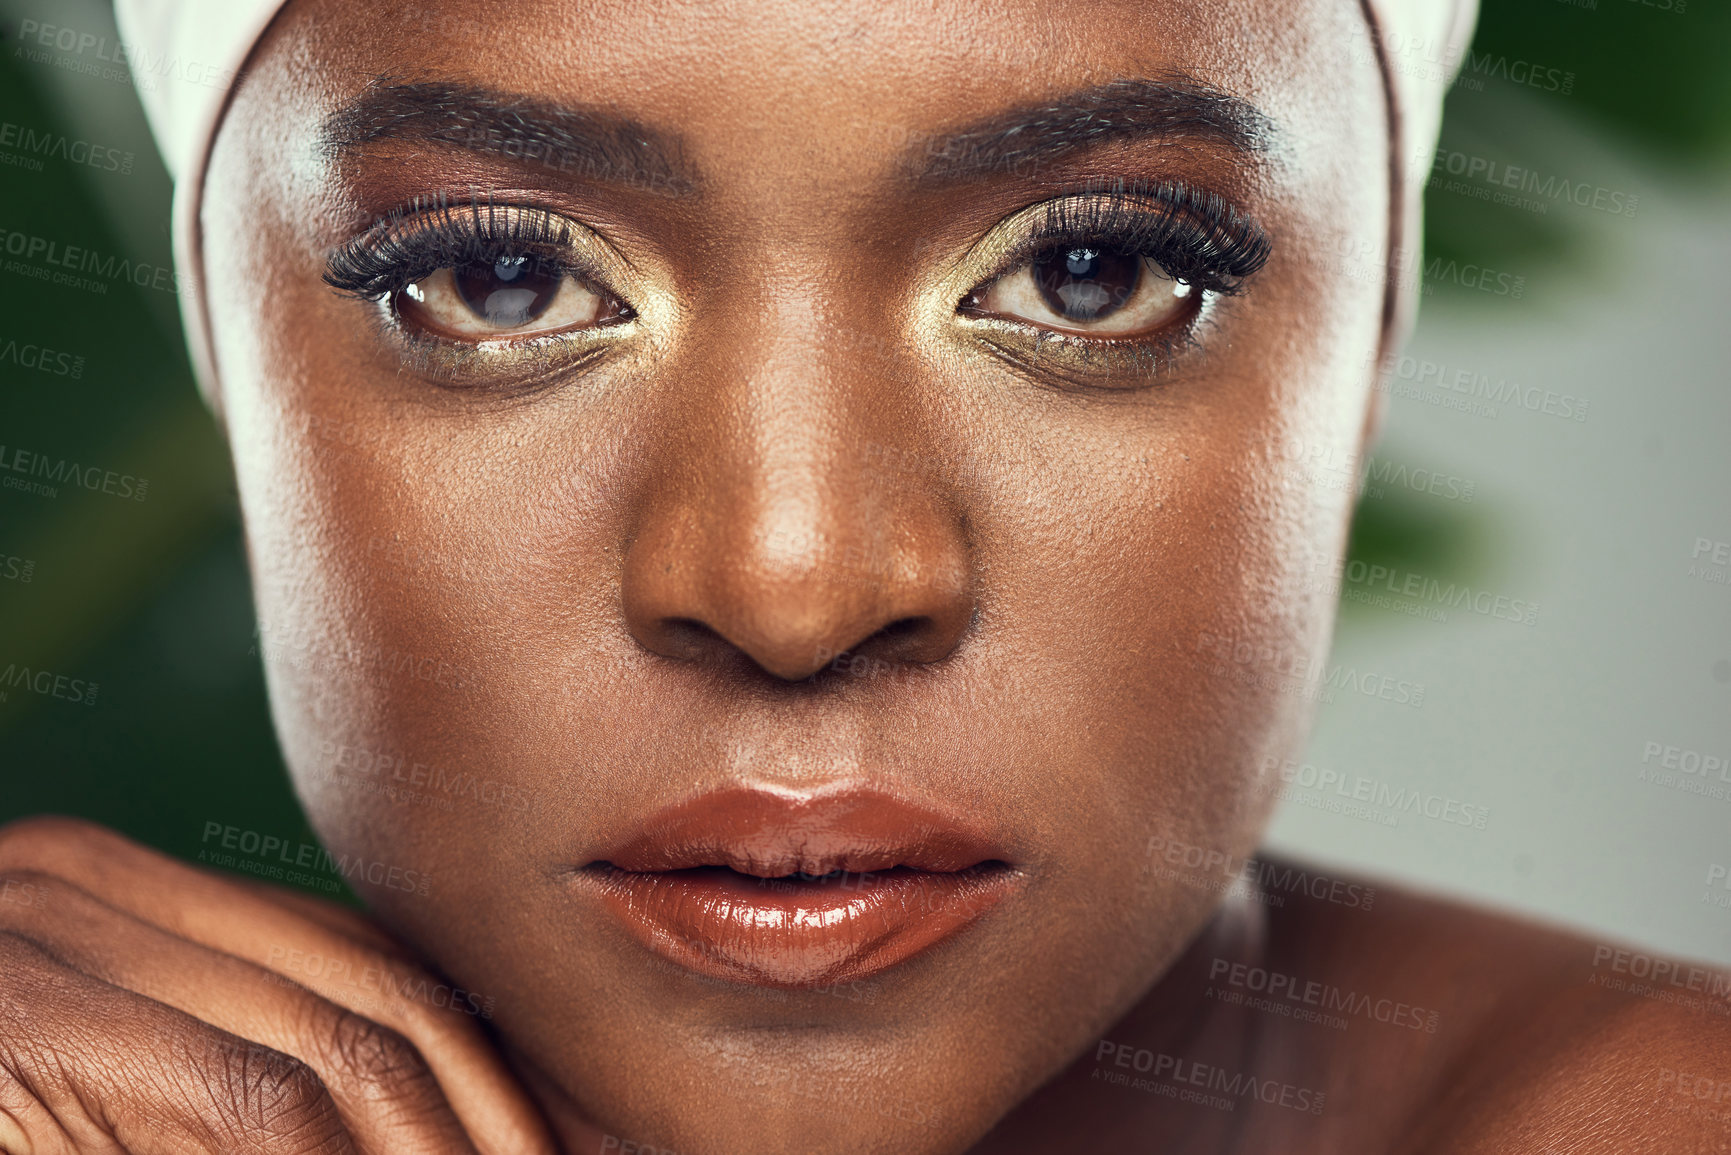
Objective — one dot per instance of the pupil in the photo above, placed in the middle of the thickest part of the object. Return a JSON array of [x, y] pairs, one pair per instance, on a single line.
[[1084, 284], [510, 291]]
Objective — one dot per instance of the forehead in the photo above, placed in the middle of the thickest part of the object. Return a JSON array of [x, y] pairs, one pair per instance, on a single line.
[[828, 83]]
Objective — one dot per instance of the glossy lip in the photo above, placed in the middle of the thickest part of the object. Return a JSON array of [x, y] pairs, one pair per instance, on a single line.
[[799, 891]]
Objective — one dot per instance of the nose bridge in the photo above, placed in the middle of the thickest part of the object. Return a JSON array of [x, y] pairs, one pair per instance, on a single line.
[[781, 534]]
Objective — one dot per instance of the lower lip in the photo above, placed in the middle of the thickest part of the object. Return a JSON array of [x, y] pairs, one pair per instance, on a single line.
[[781, 933]]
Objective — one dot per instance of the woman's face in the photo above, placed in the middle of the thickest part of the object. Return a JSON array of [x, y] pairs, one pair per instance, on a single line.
[[806, 417]]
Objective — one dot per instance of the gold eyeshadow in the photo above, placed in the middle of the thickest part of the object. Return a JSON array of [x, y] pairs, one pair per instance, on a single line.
[[1189, 243]]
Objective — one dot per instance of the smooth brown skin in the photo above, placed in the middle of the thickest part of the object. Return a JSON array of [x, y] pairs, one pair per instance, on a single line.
[[1066, 543]]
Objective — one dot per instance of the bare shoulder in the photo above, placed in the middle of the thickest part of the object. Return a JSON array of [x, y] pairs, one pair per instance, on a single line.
[[1546, 1040]]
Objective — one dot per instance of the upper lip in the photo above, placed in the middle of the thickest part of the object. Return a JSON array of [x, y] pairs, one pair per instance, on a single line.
[[771, 834]]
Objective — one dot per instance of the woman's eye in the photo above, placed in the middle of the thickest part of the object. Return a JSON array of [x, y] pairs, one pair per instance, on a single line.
[[507, 296], [1086, 289]]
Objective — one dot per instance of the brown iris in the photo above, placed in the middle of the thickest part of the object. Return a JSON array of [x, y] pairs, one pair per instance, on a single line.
[[510, 291], [1086, 284], [508, 295]]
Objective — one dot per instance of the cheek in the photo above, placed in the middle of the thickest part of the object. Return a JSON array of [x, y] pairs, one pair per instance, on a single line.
[[356, 560], [431, 583], [1169, 572], [392, 542], [1176, 620], [1157, 637]]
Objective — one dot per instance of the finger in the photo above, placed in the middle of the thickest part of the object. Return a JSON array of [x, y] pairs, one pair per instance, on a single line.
[[387, 1096], [341, 920], [95, 1070], [248, 924]]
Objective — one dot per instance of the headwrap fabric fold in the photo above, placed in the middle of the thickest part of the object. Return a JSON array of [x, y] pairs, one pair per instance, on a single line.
[[219, 35], [1418, 45]]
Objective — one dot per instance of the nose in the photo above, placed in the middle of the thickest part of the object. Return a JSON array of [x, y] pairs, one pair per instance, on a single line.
[[791, 525]]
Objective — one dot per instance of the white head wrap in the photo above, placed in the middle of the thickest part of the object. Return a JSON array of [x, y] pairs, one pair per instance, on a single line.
[[219, 36], [1418, 46]]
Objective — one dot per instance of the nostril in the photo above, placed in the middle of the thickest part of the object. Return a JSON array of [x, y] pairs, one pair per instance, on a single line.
[[912, 639], [903, 628], [717, 599], [690, 639], [918, 639]]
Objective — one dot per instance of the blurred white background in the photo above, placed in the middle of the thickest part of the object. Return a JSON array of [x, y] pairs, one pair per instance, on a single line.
[[1595, 520]]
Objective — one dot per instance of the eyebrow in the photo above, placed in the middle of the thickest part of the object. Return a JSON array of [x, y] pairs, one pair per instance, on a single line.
[[606, 146], [1171, 106], [581, 141]]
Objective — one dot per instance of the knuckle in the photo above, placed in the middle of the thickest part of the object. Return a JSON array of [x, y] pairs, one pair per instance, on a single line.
[[99, 1048], [26, 984], [371, 1060], [31, 980], [264, 1100], [29, 1064]]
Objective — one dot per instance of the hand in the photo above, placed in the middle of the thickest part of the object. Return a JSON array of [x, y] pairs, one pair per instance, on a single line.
[[149, 1007]]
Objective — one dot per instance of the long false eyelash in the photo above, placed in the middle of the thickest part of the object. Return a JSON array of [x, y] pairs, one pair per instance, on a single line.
[[431, 233], [1195, 235]]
